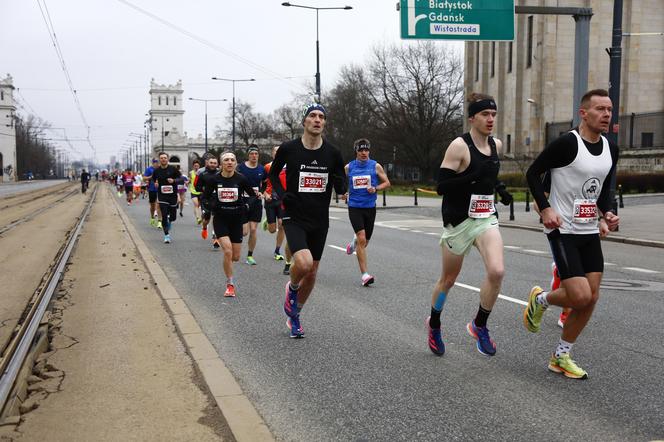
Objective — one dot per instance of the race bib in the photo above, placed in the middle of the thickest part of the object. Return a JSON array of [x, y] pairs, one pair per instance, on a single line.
[[166, 189], [481, 206], [181, 187], [361, 182], [585, 211], [227, 194], [312, 182]]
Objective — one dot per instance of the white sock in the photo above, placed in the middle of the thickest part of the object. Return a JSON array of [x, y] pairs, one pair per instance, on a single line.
[[563, 348], [541, 299]]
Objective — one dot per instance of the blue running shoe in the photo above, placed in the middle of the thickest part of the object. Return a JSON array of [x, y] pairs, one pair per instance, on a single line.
[[290, 304], [436, 344], [293, 324], [485, 344]]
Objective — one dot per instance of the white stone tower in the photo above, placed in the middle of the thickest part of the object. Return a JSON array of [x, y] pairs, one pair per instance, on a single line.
[[7, 131], [167, 126]]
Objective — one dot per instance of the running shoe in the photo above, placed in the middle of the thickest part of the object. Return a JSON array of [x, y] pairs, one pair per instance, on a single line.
[[436, 344], [278, 257], [563, 317], [296, 330], [181, 215], [250, 260], [230, 291], [532, 315], [286, 269], [199, 221], [555, 277], [159, 226], [485, 344], [153, 222], [167, 239], [215, 243], [567, 366], [350, 247], [367, 280], [264, 224], [204, 234], [290, 304]]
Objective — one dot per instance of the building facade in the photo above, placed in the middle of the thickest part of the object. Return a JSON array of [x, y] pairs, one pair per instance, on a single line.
[[532, 78], [8, 161]]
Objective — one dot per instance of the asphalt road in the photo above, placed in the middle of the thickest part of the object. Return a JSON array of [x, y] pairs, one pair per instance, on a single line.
[[364, 371]]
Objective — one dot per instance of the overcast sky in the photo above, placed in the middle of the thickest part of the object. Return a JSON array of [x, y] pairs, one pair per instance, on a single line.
[[112, 50]]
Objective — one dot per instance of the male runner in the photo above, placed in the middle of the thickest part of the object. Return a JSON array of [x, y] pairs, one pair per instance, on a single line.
[[366, 177], [166, 178], [128, 180], [313, 167], [255, 174], [201, 180], [224, 192], [152, 193], [467, 179], [576, 214], [196, 164], [85, 181], [274, 215]]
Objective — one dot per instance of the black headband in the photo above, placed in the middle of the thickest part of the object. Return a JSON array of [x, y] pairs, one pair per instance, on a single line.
[[479, 106]]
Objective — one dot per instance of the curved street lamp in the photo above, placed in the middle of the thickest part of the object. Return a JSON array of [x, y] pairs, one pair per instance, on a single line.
[[233, 80]]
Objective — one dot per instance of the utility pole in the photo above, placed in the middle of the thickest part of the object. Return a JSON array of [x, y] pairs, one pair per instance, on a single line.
[[615, 57]]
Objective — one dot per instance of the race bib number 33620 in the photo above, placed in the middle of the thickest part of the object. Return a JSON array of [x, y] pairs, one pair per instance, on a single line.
[[312, 182]]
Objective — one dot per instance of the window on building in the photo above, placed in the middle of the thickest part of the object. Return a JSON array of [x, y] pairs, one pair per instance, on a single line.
[[529, 54], [2, 95], [166, 101], [175, 102], [509, 57], [159, 101], [509, 144], [493, 59], [647, 139], [477, 61]]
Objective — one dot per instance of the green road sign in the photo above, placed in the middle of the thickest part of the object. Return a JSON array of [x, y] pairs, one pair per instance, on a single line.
[[457, 19]]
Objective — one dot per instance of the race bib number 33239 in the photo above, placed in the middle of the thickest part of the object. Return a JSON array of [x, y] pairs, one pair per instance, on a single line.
[[312, 182]]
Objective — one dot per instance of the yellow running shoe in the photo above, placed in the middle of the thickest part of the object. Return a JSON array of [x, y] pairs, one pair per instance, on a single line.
[[565, 365], [532, 315]]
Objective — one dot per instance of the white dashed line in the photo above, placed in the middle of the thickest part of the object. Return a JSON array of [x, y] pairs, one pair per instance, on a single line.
[[512, 247], [343, 249], [609, 264], [417, 231], [335, 218], [638, 269], [433, 233], [506, 298], [539, 252]]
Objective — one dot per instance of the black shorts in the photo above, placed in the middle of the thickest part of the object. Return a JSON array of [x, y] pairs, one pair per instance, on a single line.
[[300, 239], [228, 225], [576, 255], [273, 211], [197, 196], [362, 219], [255, 212], [152, 196], [129, 189]]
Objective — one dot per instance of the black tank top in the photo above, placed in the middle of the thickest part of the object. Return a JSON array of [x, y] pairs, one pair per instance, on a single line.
[[455, 204]]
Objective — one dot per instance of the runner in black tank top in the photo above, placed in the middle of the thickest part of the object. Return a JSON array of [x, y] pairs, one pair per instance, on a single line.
[[467, 180]]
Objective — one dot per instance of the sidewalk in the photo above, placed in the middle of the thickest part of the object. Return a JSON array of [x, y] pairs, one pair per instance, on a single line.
[[639, 224]]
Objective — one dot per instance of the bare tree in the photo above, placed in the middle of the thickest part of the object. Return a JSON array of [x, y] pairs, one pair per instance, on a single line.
[[33, 152]]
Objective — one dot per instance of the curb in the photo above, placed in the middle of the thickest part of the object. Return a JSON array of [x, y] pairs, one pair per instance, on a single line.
[[243, 420]]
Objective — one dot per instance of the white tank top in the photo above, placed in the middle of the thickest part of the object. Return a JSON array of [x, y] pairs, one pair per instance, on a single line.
[[575, 188]]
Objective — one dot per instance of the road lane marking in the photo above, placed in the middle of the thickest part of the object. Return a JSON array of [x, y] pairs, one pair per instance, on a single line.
[[343, 249], [335, 218], [539, 252], [512, 247], [433, 233], [417, 231], [639, 269], [506, 298]]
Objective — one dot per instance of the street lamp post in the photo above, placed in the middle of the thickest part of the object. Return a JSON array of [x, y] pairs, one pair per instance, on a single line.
[[317, 42], [206, 102], [233, 80]]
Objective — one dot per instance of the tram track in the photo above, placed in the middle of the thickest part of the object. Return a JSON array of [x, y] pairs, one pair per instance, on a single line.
[[14, 353], [32, 214]]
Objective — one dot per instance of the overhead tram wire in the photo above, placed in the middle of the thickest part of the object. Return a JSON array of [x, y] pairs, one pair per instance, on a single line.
[[58, 50], [212, 45]]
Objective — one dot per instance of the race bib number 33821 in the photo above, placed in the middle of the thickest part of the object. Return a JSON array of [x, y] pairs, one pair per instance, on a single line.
[[312, 182]]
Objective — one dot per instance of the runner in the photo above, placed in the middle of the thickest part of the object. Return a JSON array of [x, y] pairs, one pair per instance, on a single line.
[[365, 178], [167, 178], [313, 167], [85, 181], [255, 174], [119, 183], [155, 216], [203, 176], [576, 214], [467, 178], [138, 180], [182, 191], [195, 166], [224, 192], [274, 214], [128, 180], [144, 188]]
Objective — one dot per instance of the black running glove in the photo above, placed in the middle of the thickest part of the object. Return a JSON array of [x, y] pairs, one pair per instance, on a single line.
[[505, 197]]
